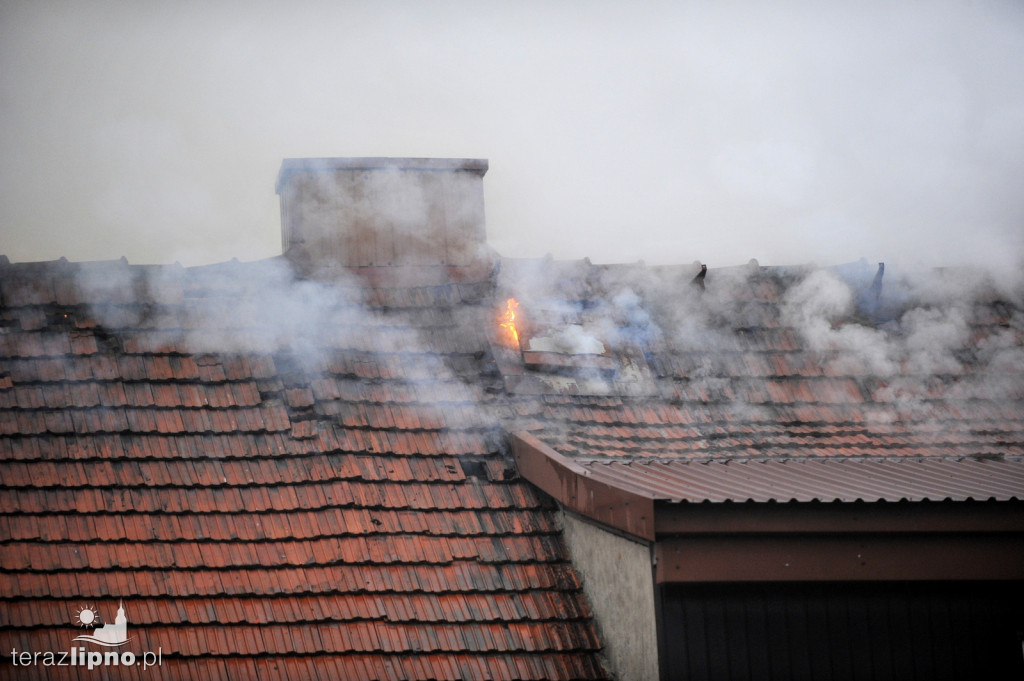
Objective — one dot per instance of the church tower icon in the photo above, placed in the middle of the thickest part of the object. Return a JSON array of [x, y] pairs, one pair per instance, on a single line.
[[110, 634]]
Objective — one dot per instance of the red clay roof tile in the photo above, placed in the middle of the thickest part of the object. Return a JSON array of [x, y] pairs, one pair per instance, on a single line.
[[256, 489]]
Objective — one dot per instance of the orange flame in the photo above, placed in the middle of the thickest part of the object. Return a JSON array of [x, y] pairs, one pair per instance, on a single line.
[[508, 321]]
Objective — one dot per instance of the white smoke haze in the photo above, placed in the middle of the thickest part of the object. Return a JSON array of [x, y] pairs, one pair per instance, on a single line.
[[260, 309], [931, 337], [385, 197], [816, 306], [243, 309], [792, 132], [921, 348]]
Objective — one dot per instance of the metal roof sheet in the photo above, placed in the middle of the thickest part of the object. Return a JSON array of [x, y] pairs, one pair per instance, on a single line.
[[816, 479]]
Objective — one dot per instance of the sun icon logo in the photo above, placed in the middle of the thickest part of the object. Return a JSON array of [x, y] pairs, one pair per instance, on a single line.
[[87, 616]]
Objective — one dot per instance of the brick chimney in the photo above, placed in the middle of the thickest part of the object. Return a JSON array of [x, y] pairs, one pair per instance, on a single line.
[[380, 212]]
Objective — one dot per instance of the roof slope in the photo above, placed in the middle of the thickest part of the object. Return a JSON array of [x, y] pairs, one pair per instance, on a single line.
[[283, 476], [785, 364], [841, 479], [280, 478], [768, 384]]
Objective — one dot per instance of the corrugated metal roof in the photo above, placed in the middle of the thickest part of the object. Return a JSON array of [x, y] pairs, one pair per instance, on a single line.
[[816, 479]]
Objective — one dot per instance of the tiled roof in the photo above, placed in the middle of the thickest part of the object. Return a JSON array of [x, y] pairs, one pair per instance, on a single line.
[[781, 365], [280, 478], [310, 478]]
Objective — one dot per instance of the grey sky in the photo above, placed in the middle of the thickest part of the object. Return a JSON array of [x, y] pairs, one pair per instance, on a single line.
[[667, 131]]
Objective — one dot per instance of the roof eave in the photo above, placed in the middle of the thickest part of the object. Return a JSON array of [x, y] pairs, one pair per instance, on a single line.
[[573, 486]]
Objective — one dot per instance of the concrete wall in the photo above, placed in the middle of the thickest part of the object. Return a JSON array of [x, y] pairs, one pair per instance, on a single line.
[[619, 582]]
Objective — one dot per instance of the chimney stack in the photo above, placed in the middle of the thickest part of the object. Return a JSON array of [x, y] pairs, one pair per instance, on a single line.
[[380, 212]]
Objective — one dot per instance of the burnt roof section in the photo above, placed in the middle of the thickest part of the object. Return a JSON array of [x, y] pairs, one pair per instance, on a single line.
[[780, 363], [769, 385], [279, 477]]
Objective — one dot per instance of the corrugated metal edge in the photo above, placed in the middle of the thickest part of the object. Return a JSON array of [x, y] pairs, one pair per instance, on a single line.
[[816, 480], [572, 484]]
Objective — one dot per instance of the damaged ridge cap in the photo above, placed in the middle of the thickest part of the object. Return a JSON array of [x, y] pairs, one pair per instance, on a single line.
[[573, 486]]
